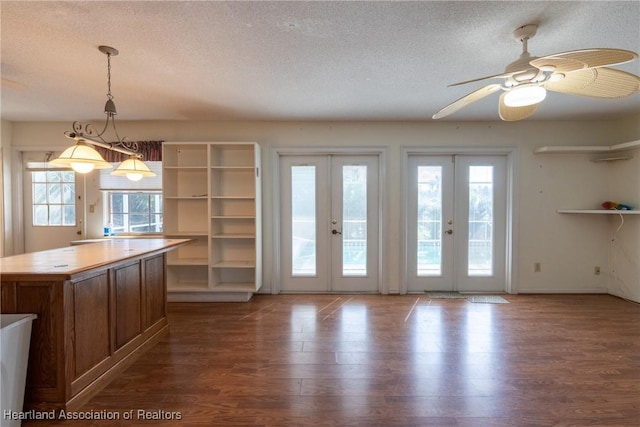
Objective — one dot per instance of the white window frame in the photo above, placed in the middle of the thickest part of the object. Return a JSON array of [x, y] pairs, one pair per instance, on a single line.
[[108, 213]]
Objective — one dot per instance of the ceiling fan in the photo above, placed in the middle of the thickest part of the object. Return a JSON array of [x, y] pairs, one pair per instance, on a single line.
[[526, 80]]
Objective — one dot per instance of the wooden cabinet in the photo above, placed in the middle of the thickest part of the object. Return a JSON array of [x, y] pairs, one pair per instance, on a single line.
[[212, 193], [99, 305]]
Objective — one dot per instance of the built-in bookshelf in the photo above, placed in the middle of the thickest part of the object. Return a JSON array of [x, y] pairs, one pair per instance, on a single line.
[[212, 193]]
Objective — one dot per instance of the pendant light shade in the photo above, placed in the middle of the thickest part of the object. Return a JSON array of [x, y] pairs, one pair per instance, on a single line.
[[82, 158], [134, 169]]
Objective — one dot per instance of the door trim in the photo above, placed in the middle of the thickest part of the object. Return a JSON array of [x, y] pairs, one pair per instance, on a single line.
[[17, 193], [511, 154], [383, 208]]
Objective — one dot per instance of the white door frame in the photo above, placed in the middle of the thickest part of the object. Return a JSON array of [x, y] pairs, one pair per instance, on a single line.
[[37, 238], [17, 193], [381, 153], [511, 154]]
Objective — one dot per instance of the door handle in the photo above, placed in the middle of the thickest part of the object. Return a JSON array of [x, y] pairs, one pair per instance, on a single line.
[[448, 231], [336, 232]]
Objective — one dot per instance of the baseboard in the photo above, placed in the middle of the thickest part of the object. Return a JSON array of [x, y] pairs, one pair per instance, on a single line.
[[209, 296], [562, 291]]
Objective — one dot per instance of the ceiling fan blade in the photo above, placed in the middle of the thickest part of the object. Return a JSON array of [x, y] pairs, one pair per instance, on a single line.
[[495, 76], [599, 82], [466, 100], [586, 58], [512, 114]]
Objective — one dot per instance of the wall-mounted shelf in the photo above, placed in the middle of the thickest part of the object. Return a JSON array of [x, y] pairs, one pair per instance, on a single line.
[[598, 211], [612, 158], [587, 149]]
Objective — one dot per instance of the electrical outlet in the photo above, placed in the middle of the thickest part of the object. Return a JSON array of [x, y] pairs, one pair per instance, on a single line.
[[537, 268], [596, 270]]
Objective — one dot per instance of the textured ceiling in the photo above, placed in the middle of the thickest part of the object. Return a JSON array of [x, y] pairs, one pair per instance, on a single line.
[[206, 60]]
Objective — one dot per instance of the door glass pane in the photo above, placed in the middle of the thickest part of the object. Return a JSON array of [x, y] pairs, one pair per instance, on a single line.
[[303, 220], [429, 224], [354, 220], [480, 221], [53, 198]]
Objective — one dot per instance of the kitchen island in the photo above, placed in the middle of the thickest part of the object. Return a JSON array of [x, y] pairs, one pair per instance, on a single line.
[[99, 306]]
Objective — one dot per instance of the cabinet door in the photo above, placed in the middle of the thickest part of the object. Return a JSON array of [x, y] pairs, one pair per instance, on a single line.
[[155, 297], [127, 284], [92, 335]]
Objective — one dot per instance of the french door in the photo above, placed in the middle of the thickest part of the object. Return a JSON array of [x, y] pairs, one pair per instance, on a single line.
[[329, 223], [456, 223]]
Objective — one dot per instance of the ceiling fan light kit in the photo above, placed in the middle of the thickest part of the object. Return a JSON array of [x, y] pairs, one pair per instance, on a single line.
[[526, 94], [526, 80], [83, 158]]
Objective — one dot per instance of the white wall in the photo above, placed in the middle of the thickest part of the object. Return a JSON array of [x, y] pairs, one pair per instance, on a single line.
[[6, 243], [568, 247], [624, 246]]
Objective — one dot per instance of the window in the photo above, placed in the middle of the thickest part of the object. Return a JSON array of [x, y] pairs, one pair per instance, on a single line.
[[303, 220], [481, 220], [133, 206], [54, 198], [429, 220], [135, 212]]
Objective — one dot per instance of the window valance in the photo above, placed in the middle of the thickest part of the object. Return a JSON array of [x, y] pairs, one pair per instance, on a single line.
[[150, 150]]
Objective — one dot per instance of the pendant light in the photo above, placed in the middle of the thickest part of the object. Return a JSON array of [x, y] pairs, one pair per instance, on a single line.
[[84, 158], [134, 169]]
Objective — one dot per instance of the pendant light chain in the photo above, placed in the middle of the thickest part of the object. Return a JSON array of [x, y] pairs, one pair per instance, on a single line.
[[109, 76]]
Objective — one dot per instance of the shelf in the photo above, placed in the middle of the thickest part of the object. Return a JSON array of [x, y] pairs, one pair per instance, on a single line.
[[188, 261], [248, 197], [598, 212], [611, 158], [233, 217], [235, 287], [234, 236], [194, 197], [587, 149], [234, 167], [193, 287], [197, 233], [187, 168], [234, 264]]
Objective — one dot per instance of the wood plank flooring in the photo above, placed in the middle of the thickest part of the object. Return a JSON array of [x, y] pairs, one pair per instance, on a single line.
[[358, 360]]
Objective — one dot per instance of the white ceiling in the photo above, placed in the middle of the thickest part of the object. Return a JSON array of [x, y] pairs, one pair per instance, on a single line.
[[205, 60]]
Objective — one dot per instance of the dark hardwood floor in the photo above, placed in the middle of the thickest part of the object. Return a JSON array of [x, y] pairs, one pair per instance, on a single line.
[[340, 360]]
